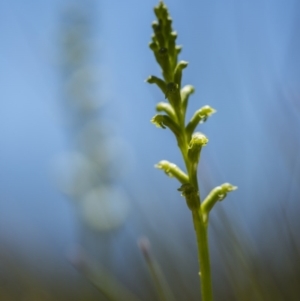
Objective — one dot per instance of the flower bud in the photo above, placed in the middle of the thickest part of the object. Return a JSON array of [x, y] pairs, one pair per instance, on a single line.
[[167, 108], [158, 120], [173, 170], [163, 121], [200, 116], [198, 140], [159, 82], [178, 72], [217, 194], [185, 93]]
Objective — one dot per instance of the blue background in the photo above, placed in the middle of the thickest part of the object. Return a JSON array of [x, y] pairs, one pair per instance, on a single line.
[[243, 61]]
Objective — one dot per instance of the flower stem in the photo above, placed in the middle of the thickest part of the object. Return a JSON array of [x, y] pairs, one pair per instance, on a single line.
[[203, 256], [200, 224]]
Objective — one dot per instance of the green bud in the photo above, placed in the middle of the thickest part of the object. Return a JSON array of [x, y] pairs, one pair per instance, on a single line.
[[160, 10], [185, 93], [178, 72], [172, 171], [158, 29], [168, 28], [167, 108], [163, 121], [172, 49], [165, 39], [158, 120], [198, 140], [159, 82], [155, 26], [200, 116], [178, 49], [217, 194], [153, 46]]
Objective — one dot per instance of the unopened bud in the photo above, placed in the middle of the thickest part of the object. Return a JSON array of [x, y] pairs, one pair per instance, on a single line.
[[200, 116], [163, 121], [198, 140], [216, 195], [158, 81], [172, 170]]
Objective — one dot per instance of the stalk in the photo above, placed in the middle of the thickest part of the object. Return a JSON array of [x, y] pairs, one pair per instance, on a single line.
[[203, 257]]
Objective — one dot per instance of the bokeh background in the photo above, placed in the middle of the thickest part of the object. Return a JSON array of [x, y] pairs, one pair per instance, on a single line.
[[79, 196]]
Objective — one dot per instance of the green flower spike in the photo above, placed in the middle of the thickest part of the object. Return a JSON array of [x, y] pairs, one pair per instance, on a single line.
[[165, 50]]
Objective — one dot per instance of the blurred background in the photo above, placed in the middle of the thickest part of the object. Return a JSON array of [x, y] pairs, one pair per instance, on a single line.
[[80, 200]]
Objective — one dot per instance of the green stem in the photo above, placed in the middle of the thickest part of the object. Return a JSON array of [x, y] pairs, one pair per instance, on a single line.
[[203, 257], [200, 225]]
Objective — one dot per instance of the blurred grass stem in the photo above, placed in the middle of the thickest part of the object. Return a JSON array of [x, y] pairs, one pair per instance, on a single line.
[[161, 285]]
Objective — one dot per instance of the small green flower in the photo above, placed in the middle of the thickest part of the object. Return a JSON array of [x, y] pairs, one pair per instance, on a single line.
[[216, 195], [173, 170], [200, 116], [167, 108], [164, 121], [159, 120], [198, 140]]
